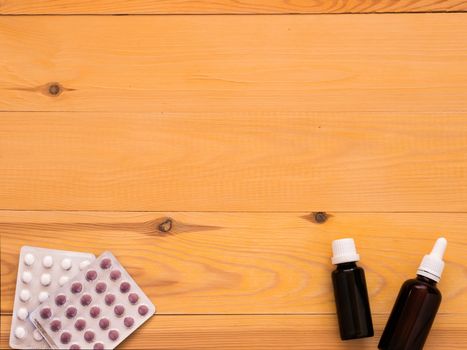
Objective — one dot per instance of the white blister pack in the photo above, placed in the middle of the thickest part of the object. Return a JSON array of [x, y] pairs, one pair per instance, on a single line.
[[97, 309], [40, 272]]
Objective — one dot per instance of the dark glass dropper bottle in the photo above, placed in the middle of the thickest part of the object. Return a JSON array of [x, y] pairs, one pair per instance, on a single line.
[[416, 305], [350, 292]]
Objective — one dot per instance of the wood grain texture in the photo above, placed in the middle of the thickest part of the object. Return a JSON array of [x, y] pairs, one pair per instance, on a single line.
[[407, 63], [237, 263], [226, 6], [255, 120], [234, 162], [247, 332]]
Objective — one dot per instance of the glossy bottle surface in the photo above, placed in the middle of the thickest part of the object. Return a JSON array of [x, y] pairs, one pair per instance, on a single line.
[[352, 304], [412, 315]]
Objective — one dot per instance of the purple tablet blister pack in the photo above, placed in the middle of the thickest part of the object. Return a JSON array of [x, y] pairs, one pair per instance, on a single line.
[[40, 272], [97, 309]]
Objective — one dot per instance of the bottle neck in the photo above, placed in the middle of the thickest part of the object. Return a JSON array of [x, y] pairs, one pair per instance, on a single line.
[[347, 265], [426, 280]]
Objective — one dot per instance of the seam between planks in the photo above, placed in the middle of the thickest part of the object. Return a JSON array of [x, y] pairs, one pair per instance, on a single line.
[[273, 314], [234, 14], [232, 211], [161, 113]]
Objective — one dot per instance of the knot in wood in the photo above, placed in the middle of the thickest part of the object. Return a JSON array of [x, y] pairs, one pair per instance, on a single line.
[[54, 89], [320, 217], [166, 225]]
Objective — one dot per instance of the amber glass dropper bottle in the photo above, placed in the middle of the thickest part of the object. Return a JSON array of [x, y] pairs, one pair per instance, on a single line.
[[416, 306], [350, 292]]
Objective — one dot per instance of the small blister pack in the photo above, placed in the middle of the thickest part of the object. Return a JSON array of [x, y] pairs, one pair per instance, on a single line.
[[40, 272], [97, 309]]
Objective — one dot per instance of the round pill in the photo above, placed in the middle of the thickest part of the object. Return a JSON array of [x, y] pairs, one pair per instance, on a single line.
[[89, 336], [86, 299], [29, 259], [66, 264], [25, 295], [75, 347], [76, 287], [119, 310], [83, 264], [20, 332], [125, 287], [104, 323], [47, 261], [115, 275], [22, 313], [71, 312], [106, 263], [95, 311], [143, 310], [46, 279], [109, 299], [65, 337], [98, 346], [46, 312], [55, 325], [62, 280], [113, 334], [80, 324], [101, 287], [26, 277], [60, 299], [43, 296], [91, 275], [128, 322], [133, 298], [37, 335]]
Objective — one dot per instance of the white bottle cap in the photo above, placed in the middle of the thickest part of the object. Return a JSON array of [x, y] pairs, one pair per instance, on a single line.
[[344, 251], [432, 265]]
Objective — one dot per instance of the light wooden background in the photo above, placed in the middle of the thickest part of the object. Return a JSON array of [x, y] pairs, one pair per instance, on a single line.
[[197, 140]]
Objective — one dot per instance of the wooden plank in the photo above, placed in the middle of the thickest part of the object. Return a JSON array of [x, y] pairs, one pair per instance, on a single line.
[[234, 162], [226, 6], [291, 63], [247, 332], [211, 263]]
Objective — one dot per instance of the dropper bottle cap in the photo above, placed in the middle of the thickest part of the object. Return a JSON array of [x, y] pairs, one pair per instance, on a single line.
[[344, 251], [432, 264]]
